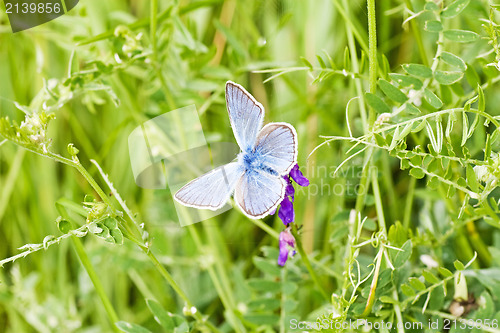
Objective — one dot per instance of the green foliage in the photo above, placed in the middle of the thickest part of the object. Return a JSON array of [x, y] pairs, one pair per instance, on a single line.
[[400, 222]]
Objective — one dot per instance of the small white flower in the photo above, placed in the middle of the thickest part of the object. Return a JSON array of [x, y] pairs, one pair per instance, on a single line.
[[117, 58], [415, 97], [428, 261]]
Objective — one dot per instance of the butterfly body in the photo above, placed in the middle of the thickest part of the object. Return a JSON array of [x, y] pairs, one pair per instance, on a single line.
[[253, 161], [267, 153]]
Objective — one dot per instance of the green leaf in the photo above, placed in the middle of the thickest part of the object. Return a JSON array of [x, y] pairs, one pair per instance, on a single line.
[[289, 288], [445, 272], [458, 265], [160, 315], [416, 283], [397, 234], [481, 104], [472, 76], [445, 93], [117, 236], [453, 60], [419, 127], [460, 36], [384, 64], [392, 92], [307, 63], [110, 222], [377, 103], [429, 277], [431, 5], [404, 255], [432, 99], [407, 290], [406, 81], [63, 225], [269, 304], [264, 285], [417, 173], [454, 8], [347, 59], [472, 179], [411, 109], [262, 319], [448, 78], [433, 26], [387, 299], [418, 70], [266, 266], [321, 62], [487, 148], [290, 305], [131, 328]]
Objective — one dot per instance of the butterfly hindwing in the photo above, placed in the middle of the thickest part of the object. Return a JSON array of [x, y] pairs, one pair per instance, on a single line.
[[257, 193], [277, 143], [211, 190], [245, 114]]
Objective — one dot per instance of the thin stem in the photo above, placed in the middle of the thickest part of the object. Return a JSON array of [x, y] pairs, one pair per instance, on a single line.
[[152, 24], [378, 203], [355, 67], [32, 248], [373, 286], [232, 318], [372, 46], [80, 251], [197, 315], [409, 202], [418, 37]]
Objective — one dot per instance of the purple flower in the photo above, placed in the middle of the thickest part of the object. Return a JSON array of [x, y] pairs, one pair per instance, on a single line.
[[286, 212], [298, 177], [287, 246], [289, 190]]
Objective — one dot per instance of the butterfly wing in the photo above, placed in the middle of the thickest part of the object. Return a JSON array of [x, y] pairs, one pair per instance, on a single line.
[[211, 190], [258, 192], [245, 114], [277, 144]]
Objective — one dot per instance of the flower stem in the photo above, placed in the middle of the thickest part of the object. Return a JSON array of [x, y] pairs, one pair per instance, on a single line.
[[80, 251]]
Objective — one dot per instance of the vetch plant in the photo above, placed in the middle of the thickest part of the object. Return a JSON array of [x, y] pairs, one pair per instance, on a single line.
[[402, 94]]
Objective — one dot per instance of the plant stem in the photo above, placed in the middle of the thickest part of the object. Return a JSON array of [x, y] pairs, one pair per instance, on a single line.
[[378, 204], [418, 37], [373, 286], [80, 251], [152, 24], [409, 202], [372, 46], [197, 315], [355, 68], [232, 318]]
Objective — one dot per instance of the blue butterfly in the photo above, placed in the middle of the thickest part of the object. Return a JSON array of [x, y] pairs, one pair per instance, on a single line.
[[256, 176]]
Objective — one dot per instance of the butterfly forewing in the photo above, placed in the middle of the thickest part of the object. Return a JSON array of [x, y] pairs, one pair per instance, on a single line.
[[277, 144], [211, 190], [245, 114], [257, 193]]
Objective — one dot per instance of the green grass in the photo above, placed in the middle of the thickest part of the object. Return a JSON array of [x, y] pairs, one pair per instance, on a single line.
[[400, 222]]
